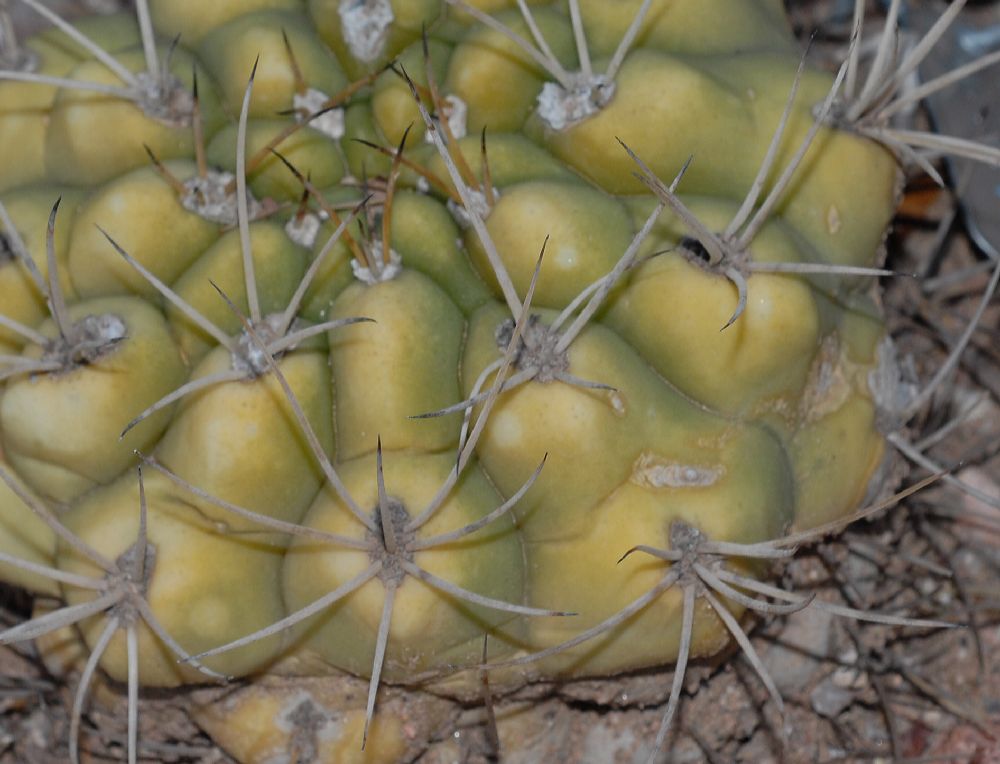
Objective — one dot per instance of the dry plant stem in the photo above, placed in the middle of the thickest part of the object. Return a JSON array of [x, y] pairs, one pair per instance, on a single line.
[[924, 396], [917, 457], [958, 420]]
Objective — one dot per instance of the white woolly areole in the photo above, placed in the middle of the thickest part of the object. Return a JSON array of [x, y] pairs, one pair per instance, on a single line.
[[365, 26], [164, 99], [250, 357], [480, 205], [86, 340], [210, 198], [330, 123], [303, 229], [456, 113], [384, 272], [560, 108]]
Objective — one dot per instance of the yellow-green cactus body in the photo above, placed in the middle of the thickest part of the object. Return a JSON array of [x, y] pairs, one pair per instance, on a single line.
[[242, 596], [149, 220], [26, 537], [278, 261], [429, 630], [92, 138], [669, 407], [61, 430], [28, 210]]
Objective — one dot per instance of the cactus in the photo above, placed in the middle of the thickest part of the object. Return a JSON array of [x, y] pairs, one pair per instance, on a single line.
[[339, 337]]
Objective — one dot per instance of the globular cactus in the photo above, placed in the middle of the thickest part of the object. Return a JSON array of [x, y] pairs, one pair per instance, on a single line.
[[550, 325]]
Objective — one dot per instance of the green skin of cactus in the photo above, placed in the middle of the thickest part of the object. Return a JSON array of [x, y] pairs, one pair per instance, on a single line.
[[744, 434]]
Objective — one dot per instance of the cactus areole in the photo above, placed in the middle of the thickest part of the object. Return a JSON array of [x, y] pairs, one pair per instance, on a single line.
[[366, 330]]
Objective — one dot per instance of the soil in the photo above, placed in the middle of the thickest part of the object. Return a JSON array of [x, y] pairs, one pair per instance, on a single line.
[[853, 692]]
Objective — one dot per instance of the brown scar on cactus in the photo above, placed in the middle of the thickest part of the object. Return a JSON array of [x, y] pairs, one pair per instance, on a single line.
[[120, 595], [155, 90], [701, 568], [896, 414], [867, 104], [573, 96], [390, 530]]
